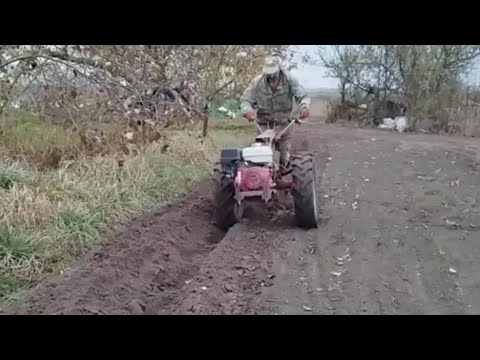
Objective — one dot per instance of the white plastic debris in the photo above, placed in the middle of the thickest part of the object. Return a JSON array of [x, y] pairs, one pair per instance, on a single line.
[[388, 123], [452, 271], [401, 123], [336, 273], [228, 113]]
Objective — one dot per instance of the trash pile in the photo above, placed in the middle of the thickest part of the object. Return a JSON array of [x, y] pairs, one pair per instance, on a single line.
[[400, 124], [228, 113], [225, 109]]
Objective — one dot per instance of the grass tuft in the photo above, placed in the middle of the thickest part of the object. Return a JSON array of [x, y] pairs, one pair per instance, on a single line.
[[51, 216], [8, 178], [10, 287], [15, 247]]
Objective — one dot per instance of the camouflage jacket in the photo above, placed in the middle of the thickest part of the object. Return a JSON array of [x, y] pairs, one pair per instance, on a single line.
[[278, 105]]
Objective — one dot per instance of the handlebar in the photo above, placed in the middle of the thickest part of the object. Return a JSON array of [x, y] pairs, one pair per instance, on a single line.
[[291, 122]]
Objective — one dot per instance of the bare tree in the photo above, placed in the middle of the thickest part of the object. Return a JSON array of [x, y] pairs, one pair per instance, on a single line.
[[343, 64], [421, 76], [113, 77]]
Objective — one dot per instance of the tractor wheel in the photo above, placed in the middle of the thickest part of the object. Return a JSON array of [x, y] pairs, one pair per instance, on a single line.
[[227, 210], [304, 191]]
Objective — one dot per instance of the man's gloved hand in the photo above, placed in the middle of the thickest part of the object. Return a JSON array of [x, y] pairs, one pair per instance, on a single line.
[[249, 115], [304, 113]]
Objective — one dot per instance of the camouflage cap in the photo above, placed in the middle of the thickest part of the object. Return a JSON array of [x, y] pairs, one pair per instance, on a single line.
[[271, 65]]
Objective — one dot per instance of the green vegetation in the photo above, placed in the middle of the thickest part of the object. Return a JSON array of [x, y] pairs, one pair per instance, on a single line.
[[51, 215]]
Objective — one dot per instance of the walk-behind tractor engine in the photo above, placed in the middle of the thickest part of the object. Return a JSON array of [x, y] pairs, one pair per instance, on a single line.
[[253, 173]]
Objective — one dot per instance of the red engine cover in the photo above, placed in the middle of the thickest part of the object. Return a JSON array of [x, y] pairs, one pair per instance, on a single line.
[[254, 178]]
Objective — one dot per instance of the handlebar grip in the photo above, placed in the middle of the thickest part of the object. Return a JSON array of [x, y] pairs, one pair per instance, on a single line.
[[298, 121]]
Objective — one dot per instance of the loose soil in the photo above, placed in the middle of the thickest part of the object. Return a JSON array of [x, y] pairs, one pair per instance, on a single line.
[[399, 235]]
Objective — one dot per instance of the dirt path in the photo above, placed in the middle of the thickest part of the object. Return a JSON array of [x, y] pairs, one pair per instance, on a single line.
[[400, 236]]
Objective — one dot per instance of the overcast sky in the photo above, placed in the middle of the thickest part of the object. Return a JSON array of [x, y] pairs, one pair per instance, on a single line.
[[311, 77]]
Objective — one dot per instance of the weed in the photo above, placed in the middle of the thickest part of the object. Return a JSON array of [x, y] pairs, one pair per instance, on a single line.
[[10, 285], [16, 252], [8, 178], [54, 215]]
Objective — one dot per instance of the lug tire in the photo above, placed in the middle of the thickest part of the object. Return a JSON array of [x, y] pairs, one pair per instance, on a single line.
[[304, 191], [227, 211]]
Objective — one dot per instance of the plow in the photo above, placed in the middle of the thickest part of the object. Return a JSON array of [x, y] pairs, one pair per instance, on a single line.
[[254, 173]]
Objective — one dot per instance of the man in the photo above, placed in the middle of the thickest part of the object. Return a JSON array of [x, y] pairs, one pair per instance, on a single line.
[[273, 94]]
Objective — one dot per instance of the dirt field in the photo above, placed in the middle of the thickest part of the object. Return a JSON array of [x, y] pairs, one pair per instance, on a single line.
[[400, 232]]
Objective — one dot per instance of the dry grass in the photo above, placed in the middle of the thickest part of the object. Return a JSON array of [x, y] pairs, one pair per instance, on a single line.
[[346, 112], [464, 121], [438, 115], [50, 216]]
